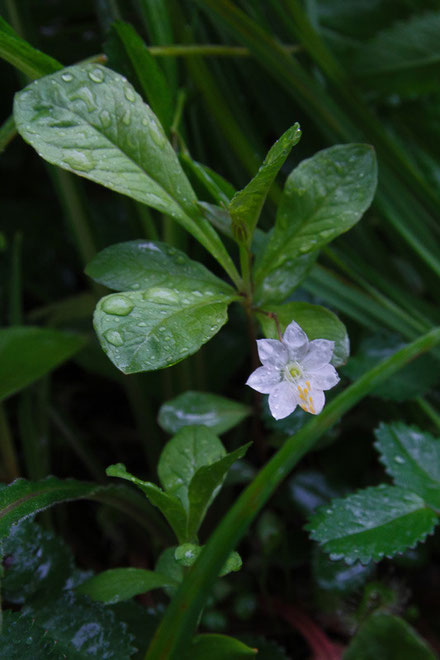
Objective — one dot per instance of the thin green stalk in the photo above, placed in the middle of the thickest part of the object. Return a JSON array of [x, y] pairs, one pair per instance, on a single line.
[[7, 132], [8, 456], [429, 411], [176, 629], [209, 50]]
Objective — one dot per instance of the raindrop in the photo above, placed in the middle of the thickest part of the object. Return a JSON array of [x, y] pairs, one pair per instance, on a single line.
[[180, 259], [126, 118], [145, 121], [116, 304], [162, 295], [157, 134], [67, 77], [399, 459], [114, 337], [78, 160], [106, 118], [84, 94], [97, 75], [129, 94]]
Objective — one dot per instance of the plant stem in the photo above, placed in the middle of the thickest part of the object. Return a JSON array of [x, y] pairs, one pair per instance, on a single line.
[[174, 633], [7, 132], [209, 50], [429, 411]]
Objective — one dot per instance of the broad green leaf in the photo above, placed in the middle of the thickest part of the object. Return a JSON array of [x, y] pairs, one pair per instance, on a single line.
[[219, 189], [157, 327], [82, 628], [217, 412], [89, 120], [316, 321], [191, 448], [38, 564], [151, 78], [118, 584], [205, 485], [218, 647], [413, 380], [27, 59], [323, 197], [168, 504], [338, 576], [27, 353], [371, 524], [22, 498], [167, 565], [135, 265], [21, 639], [187, 554], [246, 205], [412, 458], [383, 635], [280, 282]]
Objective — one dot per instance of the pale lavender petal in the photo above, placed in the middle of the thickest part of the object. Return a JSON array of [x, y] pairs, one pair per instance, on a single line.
[[264, 379], [316, 401], [319, 353], [324, 378], [282, 400], [296, 341], [272, 353]]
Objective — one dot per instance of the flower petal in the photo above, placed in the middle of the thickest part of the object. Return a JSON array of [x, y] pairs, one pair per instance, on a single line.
[[324, 378], [282, 400], [264, 379], [316, 401], [319, 353], [296, 340], [272, 353]]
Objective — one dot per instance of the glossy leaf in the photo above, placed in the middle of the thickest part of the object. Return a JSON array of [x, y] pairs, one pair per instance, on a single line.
[[383, 635], [217, 412], [371, 524], [89, 120], [323, 197], [246, 205], [136, 265], [189, 450], [155, 328], [23, 498], [168, 504], [187, 553], [27, 353], [412, 458], [282, 280], [118, 584], [316, 321], [218, 647], [205, 485], [20, 637]]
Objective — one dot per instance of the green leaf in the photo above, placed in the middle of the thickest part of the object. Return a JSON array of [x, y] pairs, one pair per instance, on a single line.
[[120, 584], [187, 554], [316, 321], [371, 524], [167, 565], [413, 380], [22, 639], [217, 412], [135, 265], [218, 647], [323, 197], [246, 205], [22, 498], [89, 120], [27, 59], [151, 78], [37, 564], [191, 448], [168, 504], [219, 189], [267, 648], [412, 458], [205, 485], [383, 635], [27, 353], [280, 282], [155, 328]]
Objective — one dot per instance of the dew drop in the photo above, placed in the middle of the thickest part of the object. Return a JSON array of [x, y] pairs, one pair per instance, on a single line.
[[116, 304], [126, 118], [78, 160], [129, 94], [97, 75], [180, 260], [113, 337], [162, 295], [84, 94], [67, 77], [106, 118], [157, 134], [399, 459]]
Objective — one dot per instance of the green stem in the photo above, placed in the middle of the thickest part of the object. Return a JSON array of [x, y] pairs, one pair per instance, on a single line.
[[209, 50], [7, 132], [174, 633], [429, 411]]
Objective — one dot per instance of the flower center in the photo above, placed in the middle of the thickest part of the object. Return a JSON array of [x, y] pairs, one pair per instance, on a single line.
[[293, 372]]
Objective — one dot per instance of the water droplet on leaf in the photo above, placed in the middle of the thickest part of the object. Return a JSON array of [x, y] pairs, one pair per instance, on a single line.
[[97, 75], [106, 118], [129, 94], [78, 160], [118, 305], [399, 459], [161, 294], [114, 337], [126, 118], [67, 77]]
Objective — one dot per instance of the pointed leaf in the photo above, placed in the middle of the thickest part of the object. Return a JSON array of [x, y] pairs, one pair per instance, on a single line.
[[27, 59], [205, 485], [118, 584], [412, 458], [20, 637], [282, 280], [324, 196], [27, 353], [169, 505], [22, 498], [191, 448], [219, 647], [316, 321], [371, 524], [245, 207], [217, 412], [187, 554]]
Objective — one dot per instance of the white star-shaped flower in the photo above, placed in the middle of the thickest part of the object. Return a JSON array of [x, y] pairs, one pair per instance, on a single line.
[[295, 371]]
